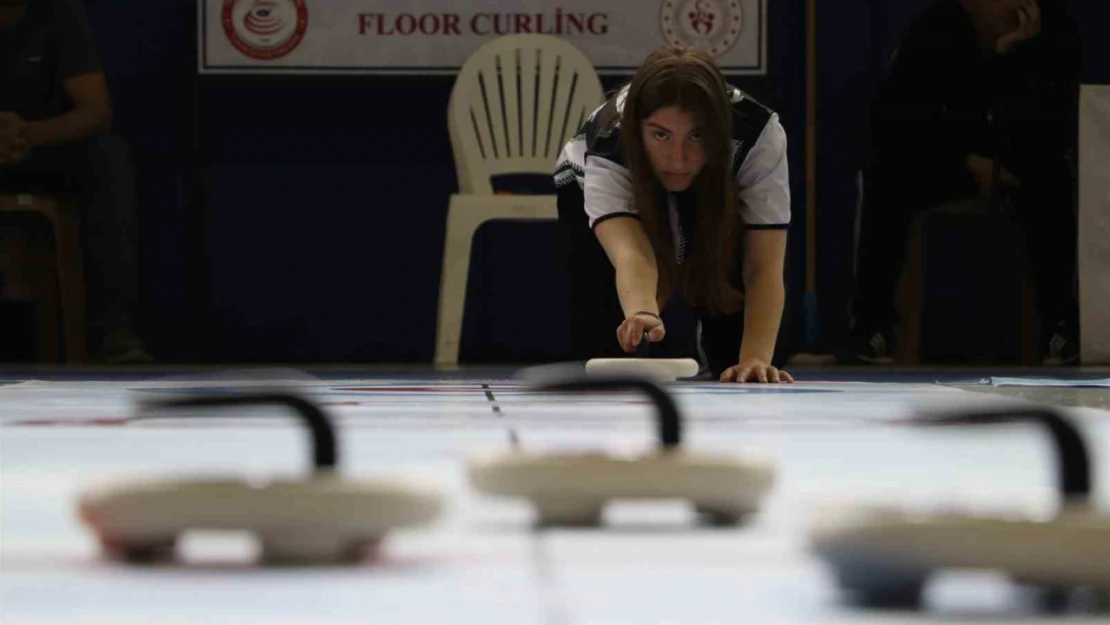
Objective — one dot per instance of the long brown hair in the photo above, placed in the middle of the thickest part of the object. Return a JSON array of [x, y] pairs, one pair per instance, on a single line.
[[683, 76]]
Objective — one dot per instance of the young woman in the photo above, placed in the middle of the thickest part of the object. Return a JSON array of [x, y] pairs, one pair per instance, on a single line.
[[677, 187]]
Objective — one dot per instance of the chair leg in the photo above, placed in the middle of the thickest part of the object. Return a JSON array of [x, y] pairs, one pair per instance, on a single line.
[[461, 226], [32, 277], [48, 316], [71, 281], [29, 280], [1031, 353], [18, 284]]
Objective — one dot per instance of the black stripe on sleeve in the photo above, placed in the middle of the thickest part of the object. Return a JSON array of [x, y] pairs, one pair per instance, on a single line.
[[612, 215]]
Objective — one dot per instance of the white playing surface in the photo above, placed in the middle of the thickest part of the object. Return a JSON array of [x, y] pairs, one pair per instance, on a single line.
[[482, 563]]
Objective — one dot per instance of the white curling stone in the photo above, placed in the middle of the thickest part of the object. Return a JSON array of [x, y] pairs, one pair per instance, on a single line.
[[311, 519], [659, 369], [583, 482]]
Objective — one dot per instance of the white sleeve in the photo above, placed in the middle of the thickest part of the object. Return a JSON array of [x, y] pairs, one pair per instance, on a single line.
[[607, 189], [763, 181]]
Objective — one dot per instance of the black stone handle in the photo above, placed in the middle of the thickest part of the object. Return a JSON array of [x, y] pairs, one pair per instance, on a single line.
[[324, 451], [668, 419], [643, 350], [1073, 463]]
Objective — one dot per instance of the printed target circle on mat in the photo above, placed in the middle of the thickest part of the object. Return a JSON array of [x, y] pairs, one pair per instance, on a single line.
[[265, 29], [712, 26]]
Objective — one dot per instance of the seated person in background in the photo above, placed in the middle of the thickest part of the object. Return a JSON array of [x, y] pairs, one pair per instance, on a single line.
[[55, 114], [980, 102]]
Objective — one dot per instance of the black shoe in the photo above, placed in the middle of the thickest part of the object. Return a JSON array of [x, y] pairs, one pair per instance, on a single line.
[[876, 348]]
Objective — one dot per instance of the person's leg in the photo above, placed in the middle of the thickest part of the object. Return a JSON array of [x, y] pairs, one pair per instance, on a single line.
[[1048, 222], [109, 234], [720, 336], [884, 224], [720, 340]]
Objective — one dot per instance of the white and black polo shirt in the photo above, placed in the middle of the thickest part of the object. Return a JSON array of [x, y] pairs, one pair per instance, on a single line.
[[592, 160]]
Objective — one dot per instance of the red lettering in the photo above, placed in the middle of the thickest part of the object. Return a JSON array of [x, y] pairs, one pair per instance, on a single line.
[[451, 24], [382, 25], [598, 29], [540, 24], [574, 21], [406, 24], [509, 23], [429, 24], [474, 22]]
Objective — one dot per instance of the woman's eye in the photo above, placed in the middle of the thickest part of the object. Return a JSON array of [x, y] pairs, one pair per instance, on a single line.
[[659, 135], [695, 137]]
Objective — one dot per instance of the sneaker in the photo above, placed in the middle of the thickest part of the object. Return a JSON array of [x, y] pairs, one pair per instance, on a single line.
[[1061, 351], [876, 349]]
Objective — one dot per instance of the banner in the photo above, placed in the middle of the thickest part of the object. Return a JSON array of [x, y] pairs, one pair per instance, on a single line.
[[1094, 224], [437, 36]]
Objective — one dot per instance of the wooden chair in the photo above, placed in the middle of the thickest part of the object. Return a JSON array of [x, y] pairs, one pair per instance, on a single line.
[[56, 278], [912, 295], [515, 102]]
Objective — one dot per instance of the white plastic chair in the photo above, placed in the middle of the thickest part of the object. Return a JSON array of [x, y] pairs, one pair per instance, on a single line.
[[515, 102]]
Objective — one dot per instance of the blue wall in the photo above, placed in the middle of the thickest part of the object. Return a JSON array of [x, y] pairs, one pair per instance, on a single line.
[[147, 50], [302, 219]]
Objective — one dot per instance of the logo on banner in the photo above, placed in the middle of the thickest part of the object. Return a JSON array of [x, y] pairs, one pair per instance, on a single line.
[[265, 29], [712, 26]]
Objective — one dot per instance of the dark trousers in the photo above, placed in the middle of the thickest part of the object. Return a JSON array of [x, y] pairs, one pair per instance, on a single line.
[[1045, 215], [99, 175], [594, 309]]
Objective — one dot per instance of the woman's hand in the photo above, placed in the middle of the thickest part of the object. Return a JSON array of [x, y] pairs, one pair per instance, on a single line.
[[1028, 27], [632, 330], [755, 370]]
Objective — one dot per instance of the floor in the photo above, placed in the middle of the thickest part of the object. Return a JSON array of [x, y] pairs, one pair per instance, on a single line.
[[835, 436]]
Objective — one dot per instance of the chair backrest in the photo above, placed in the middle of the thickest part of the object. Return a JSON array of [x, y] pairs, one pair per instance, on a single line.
[[12, 202], [515, 102]]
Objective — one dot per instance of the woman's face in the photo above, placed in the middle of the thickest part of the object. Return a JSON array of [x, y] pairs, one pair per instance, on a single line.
[[674, 146]]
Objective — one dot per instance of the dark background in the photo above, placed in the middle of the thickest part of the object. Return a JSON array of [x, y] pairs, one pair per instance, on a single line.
[[294, 219]]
